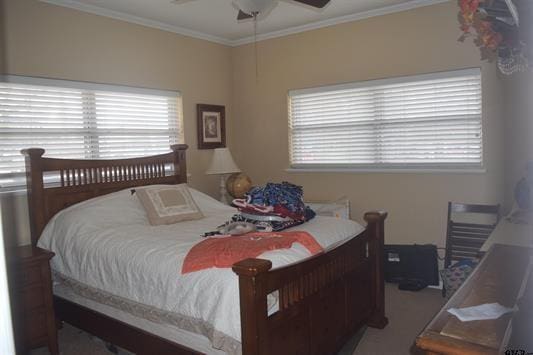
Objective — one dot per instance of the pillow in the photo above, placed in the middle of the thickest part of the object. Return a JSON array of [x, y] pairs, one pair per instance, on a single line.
[[454, 276], [168, 204]]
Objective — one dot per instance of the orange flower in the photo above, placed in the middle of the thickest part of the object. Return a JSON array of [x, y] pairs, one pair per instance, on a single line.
[[470, 18], [468, 12]]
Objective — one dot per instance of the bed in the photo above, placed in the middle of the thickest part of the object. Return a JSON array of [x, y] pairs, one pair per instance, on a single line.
[[289, 305]]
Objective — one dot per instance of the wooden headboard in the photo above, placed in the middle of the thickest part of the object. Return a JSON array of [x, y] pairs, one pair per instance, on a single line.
[[80, 180]]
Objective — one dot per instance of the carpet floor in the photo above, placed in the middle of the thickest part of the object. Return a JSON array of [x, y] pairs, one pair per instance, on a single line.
[[408, 313]]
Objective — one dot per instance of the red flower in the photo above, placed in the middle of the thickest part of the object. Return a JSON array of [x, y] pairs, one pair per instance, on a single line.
[[469, 18]]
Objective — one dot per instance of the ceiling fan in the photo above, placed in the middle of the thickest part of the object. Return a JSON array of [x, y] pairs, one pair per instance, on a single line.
[[252, 8]]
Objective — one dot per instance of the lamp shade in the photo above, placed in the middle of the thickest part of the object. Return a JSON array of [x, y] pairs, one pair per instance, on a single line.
[[222, 163]]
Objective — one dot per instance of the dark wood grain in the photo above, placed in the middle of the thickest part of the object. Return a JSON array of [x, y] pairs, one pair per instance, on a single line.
[[31, 296], [464, 240], [315, 3], [80, 180], [500, 277], [116, 332], [323, 300], [221, 110]]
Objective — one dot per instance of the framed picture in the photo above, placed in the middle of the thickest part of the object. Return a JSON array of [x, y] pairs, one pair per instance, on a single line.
[[211, 126]]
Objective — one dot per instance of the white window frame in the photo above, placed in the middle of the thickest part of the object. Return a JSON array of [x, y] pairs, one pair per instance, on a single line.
[[92, 88], [387, 168]]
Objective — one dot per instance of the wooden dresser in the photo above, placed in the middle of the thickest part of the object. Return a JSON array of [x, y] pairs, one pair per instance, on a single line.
[[503, 276], [508, 233], [31, 298]]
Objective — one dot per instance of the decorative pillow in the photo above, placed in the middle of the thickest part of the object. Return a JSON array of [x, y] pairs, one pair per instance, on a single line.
[[453, 277], [168, 204]]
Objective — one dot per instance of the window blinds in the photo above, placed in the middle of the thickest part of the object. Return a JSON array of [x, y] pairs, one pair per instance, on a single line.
[[78, 122], [424, 121]]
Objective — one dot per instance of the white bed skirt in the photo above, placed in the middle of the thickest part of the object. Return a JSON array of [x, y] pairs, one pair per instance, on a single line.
[[169, 332]]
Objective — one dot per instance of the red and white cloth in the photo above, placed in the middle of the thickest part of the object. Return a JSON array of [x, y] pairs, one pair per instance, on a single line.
[[223, 252]]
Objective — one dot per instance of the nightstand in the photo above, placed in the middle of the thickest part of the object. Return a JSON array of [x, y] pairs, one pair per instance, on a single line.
[[31, 298]]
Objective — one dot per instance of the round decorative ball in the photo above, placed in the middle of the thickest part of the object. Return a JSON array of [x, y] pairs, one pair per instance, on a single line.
[[238, 185]]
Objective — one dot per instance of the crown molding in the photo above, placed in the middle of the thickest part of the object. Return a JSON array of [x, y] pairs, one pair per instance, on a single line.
[[413, 4], [97, 10]]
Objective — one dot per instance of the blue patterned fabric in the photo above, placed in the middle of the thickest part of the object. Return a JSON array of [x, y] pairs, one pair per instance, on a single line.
[[286, 197], [275, 226], [285, 194], [454, 276]]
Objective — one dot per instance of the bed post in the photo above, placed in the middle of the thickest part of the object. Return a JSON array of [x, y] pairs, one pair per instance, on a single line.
[[34, 183], [376, 224], [253, 303], [180, 162]]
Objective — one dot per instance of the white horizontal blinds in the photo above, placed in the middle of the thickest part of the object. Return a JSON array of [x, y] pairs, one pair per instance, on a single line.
[[420, 121], [31, 116], [130, 125], [73, 122]]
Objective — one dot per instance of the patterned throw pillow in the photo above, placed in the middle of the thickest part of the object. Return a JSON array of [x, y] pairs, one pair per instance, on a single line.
[[168, 204], [453, 277]]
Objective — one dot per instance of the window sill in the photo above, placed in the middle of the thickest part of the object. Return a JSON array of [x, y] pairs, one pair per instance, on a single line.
[[390, 170]]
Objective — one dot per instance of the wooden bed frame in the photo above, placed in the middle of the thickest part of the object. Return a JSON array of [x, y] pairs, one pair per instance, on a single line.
[[324, 300]]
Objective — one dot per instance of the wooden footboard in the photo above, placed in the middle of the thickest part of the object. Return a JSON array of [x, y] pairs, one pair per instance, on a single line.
[[323, 301]]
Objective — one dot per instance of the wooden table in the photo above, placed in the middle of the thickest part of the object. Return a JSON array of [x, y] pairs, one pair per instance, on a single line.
[[502, 276]]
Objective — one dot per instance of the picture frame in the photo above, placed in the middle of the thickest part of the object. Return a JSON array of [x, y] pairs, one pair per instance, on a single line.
[[211, 126]]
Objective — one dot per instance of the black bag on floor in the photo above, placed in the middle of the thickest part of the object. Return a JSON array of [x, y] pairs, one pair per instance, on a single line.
[[412, 266]]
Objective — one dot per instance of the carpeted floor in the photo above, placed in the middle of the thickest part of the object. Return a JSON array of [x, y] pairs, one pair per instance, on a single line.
[[408, 313]]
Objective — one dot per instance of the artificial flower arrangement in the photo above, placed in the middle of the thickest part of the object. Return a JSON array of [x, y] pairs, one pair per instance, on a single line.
[[495, 23]]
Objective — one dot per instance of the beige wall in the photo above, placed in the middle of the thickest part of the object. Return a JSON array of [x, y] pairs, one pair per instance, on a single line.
[[2, 31], [56, 42], [519, 114], [413, 42], [518, 129], [49, 41]]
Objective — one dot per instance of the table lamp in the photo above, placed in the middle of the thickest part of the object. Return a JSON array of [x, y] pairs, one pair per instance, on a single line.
[[222, 164]]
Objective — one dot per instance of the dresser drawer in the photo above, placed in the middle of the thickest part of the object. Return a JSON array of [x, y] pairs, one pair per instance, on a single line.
[[26, 276], [32, 297], [35, 327], [30, 330]]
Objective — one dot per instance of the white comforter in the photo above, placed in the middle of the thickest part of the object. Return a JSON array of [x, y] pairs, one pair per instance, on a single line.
[[108, 244]]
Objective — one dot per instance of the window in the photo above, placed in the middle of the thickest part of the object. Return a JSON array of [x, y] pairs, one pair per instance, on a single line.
[[82, 120], [422, 122]]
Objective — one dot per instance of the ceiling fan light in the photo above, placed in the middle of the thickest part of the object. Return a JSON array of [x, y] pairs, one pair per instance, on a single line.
[[254, 6]]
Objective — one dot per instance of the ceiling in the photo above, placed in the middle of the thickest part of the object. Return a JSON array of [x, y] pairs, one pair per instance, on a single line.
[[215, 20]]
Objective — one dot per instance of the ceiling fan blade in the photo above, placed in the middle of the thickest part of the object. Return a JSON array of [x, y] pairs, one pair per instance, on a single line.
[[315, 3], [243, 15], [179, 2]]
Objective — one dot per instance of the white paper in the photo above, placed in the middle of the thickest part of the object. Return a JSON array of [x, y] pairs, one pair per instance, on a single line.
[[481, 312]]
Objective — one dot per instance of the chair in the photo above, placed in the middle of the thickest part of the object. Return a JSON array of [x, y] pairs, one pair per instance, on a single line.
[[465, 238]]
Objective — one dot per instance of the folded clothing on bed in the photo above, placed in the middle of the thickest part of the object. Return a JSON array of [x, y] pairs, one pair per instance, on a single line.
[[283, 200], [223, 252], [272, 207]]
